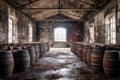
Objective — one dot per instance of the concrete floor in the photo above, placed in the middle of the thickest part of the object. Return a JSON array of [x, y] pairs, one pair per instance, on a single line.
[[59, 64], [60, 45]]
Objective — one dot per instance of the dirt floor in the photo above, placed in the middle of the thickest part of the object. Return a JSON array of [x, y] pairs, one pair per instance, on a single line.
[[59, 64]]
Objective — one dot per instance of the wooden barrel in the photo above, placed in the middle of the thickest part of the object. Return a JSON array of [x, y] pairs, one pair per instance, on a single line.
[[97, 58], [112, 47], [3, 47], [73, 47], [111, 63], [37, 52], [17, 47], [41, 50], [48, 46], [21, 60], [45, 46], [84, 53], [79, 50], [24, 46], [31, 50], [6, 63], [90, 49], [10, 47]]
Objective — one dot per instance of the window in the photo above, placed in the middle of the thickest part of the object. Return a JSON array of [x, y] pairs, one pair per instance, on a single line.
[[30, 33], [110, 30], [91, 31], [60, 34], [12, 26], [10, 31]]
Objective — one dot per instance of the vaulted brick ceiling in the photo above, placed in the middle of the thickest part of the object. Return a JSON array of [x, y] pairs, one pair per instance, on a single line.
[[43, 9]]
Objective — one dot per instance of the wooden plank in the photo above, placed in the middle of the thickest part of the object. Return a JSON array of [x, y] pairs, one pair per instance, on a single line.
[[59, 9], [87, 3], [24, 5], [81, 20]]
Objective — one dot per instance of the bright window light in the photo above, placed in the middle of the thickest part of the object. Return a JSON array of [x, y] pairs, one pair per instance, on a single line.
[[110, 30], [60, 34], [91, 29], [30, 33], [10, 31]]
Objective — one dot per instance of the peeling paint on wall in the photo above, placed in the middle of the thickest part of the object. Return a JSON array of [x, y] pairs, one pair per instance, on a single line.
[[99, 21], [45, 31], [3, 22], [22, 24]]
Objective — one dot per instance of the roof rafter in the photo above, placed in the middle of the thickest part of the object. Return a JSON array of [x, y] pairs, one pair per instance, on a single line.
[[60, 20], [70, 14], [30, 1], [22, 6], [87, 3], [36, 13], [60, 9]]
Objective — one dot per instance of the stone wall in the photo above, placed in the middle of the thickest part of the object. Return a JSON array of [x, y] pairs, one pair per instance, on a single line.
[[45, 31], [23, 28], [99, 27], [21, 23], [99, 23], [3, 22], [118, 22]]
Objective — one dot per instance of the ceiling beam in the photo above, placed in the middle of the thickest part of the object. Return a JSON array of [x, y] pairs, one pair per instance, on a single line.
[[30, 1], [60, 20], [27, 15], [87, 3], [24, 5], [70, 14], [60, 9], [36, 13], [59, 4]]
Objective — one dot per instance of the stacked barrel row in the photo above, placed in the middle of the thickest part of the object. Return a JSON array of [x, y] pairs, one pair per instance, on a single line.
[[16, 58], [99, 57]]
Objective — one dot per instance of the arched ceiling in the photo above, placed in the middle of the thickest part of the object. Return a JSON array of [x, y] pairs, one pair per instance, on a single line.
[[43, 9]]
